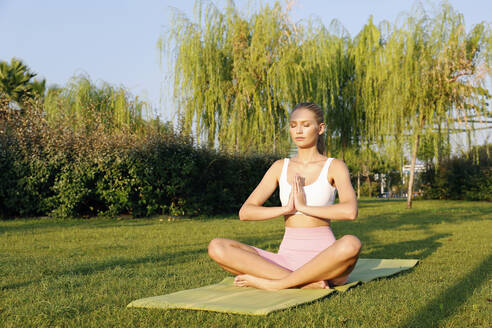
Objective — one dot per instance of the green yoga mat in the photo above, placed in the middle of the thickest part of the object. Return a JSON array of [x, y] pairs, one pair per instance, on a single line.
[[225, 297]]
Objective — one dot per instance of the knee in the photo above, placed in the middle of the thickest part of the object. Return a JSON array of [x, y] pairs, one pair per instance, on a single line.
[[350, 246], [216, 249]]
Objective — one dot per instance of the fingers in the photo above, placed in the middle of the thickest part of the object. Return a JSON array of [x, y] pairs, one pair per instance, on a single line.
[[300, 182]]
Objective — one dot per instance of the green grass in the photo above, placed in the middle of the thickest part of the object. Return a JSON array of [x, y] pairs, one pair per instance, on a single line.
[[83, 273]]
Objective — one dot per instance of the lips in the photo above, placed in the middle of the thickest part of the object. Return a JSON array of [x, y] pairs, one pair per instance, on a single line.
[[300, 138]]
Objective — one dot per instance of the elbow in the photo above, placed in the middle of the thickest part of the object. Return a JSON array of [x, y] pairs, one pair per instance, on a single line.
[[352, 214], [242, 216]]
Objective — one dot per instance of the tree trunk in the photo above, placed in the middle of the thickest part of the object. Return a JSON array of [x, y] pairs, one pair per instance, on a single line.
[[369, 180], [412, 174], [382, 183], [358, 184]]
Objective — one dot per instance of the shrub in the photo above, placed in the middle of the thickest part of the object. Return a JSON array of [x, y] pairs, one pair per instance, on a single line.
[[468, 177], [52, 168]]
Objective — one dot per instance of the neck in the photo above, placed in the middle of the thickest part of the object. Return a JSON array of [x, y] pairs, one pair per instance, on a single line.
[[307, 155]]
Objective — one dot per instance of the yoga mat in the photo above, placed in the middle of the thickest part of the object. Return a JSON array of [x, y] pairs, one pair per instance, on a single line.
[[225, 297]]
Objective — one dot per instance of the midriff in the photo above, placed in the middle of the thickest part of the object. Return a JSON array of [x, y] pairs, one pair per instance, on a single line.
[[304, 221]]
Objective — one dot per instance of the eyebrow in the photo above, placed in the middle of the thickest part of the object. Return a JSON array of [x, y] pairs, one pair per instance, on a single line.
[[300, 121]]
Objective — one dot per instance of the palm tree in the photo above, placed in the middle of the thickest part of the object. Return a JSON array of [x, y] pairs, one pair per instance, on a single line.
[[16, 82]]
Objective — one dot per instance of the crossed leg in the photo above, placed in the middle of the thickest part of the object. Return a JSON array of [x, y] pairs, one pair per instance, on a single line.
[[239, 258], [333, 264]]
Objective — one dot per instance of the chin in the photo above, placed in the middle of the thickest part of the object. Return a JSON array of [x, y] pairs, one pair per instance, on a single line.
[[303, 144]]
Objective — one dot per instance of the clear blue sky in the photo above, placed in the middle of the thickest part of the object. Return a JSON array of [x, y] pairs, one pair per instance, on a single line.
[[115, 41]]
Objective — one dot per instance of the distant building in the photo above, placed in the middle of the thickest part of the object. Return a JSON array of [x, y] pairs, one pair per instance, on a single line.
[[405, 170], [418, 168]]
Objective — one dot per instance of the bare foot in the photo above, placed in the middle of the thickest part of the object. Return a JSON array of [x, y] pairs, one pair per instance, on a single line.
[[339, 281], [317, 285], [246, 280]]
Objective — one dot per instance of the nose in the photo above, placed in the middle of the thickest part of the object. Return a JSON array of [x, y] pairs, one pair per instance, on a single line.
[[299, 129]]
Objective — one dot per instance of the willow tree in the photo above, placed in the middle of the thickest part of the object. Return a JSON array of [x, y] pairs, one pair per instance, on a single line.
[[329, 79], [227, 69], [236, 77], [368, 83], [82, 103], [434, 80]]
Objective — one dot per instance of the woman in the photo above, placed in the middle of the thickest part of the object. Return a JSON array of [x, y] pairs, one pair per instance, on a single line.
[[309, 256]]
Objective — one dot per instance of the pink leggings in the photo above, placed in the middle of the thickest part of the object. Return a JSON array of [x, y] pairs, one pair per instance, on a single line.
[[299, 246]]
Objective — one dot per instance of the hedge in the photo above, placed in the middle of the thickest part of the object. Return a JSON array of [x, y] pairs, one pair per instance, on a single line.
[[465, 177], [54, 170]]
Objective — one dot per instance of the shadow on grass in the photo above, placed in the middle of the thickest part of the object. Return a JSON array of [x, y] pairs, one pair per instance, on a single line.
[[37, 224], [416, 249], [380, 200], [366, 203], [173, 258], [424, 218], [41, 224], [445, 305], [169, 259], [17, 285], [90, 268], [413, 220]]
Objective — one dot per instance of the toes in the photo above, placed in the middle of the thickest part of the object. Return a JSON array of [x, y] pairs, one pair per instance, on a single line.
[[241, 284], [239, 281]]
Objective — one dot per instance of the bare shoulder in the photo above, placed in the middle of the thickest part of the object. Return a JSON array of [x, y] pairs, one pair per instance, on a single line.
[[341, 176], [276, 168], [337, 167], [278, 163]]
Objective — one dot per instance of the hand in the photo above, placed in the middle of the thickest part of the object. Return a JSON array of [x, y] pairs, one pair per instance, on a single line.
[[299, 195], [291, 209]]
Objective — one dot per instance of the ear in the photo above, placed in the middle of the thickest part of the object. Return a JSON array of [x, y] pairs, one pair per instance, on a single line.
[[322, 128]]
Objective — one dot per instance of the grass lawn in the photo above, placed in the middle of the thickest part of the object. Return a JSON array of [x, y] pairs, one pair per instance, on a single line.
[[83, 273]]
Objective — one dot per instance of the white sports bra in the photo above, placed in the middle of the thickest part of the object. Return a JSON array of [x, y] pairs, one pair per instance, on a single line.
[[318, 193]]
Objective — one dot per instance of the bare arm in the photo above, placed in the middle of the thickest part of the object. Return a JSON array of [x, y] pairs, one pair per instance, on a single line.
[[252, 208], [346, 209]]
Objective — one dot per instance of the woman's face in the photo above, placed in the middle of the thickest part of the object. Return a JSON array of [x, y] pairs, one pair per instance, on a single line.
[[304, 130]]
